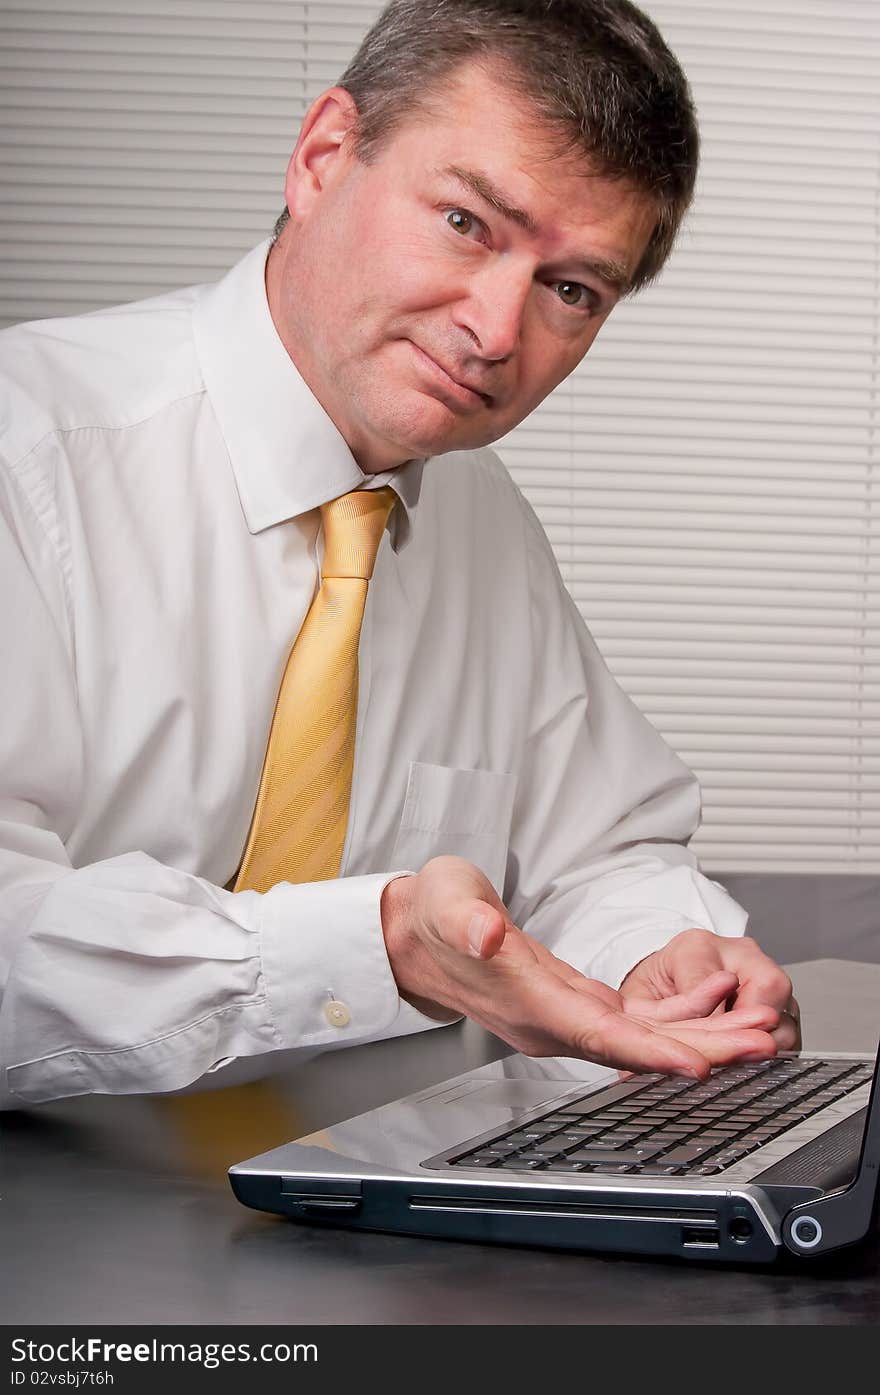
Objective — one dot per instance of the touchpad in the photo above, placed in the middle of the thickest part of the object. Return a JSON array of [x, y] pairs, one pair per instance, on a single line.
[[523, 1094]]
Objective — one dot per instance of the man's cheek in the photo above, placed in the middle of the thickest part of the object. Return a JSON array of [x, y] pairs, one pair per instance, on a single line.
[[420, 275]]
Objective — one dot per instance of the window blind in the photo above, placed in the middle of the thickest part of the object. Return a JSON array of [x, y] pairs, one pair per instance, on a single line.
[[707, 477], [710, 483]]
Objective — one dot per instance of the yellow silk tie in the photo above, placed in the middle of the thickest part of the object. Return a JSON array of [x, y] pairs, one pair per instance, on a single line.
[[298, 828]]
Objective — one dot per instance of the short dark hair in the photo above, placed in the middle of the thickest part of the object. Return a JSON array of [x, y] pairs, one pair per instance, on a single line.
[[598, 73]]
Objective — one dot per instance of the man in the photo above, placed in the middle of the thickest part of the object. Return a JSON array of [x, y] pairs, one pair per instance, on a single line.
[[463, 212]]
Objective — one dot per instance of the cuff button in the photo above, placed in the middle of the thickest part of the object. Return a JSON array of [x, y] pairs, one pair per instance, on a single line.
[[337, 1013]]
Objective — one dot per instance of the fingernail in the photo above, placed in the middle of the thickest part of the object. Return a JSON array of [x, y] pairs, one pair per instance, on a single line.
[[477, 933]]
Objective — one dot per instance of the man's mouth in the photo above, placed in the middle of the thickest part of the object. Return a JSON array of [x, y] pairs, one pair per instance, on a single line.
[[462, 391]]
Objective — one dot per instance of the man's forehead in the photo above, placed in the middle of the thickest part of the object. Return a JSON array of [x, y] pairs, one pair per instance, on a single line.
[[484, 87], [480, 107]]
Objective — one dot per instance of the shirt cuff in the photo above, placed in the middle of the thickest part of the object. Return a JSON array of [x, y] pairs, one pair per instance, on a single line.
[[326, 971]]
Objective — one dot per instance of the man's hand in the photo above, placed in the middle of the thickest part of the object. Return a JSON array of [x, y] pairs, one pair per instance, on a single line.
[[727, 973], [454, 950]]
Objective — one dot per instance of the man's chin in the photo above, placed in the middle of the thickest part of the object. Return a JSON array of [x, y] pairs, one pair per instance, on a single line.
[[423, 426], [454, 433]]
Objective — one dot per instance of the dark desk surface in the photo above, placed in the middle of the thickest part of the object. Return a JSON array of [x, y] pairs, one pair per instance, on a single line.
[[110, 1214]]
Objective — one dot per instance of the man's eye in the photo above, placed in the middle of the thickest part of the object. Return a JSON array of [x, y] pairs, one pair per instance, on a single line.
[[574, 294], [463, 222]]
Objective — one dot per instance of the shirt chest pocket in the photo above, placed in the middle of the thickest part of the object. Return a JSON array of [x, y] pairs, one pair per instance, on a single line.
[[463, 812]]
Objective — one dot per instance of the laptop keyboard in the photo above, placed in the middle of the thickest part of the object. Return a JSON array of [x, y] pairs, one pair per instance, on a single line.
[[664, 1126]]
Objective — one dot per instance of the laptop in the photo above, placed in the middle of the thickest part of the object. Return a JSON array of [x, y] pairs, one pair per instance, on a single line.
[[759, 1161]]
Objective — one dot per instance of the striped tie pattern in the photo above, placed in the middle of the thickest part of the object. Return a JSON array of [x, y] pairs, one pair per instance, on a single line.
[[298, 828]]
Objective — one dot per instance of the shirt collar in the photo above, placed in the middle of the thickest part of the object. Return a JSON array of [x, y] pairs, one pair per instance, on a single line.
[[286, 454]]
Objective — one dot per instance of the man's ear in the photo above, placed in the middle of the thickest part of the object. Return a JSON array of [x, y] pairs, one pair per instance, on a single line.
[[322, 152]]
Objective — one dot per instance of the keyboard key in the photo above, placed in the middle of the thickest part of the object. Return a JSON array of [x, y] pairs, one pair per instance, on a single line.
[[727, 1159], [687, 1153], [599, 1155], [758, 1139], [615, 1138], [621, 1155], [660, 1169], [793, 1116]]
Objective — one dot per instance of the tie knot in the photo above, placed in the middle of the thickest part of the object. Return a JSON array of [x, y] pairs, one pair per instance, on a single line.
[[353, 527]]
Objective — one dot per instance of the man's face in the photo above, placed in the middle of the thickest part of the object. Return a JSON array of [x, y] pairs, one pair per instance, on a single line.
[[423, 314]]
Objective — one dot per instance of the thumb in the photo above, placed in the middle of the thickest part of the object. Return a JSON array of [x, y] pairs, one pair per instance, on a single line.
[[462, 907], [485, 929]]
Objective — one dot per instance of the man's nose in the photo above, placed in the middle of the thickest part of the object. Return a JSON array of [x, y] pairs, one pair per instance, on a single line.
[[494, 308]]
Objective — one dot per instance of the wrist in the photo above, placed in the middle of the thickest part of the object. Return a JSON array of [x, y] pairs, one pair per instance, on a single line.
[[395, 909]]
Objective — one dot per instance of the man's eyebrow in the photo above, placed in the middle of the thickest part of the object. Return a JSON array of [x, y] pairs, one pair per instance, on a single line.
[[486, 190], [612, 272]]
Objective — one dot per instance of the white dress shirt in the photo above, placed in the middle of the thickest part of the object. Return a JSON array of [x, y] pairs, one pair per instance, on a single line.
[[159, 548]]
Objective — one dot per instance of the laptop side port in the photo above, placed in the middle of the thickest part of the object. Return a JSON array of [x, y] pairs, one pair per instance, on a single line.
[[700, 1237]]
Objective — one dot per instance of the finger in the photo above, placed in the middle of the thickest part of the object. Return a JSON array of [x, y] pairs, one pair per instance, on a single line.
[[596, 1031], [724, 1048], [692, 957], [698, 1001], [761, 980], [788, 1033], [692, 1007], [717, 1047], [762, 1016]]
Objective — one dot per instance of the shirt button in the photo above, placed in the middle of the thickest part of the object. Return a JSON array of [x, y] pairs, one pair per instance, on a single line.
[[337, 1013]]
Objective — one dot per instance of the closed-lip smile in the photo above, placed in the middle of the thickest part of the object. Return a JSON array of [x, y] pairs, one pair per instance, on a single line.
[[458, 387]]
